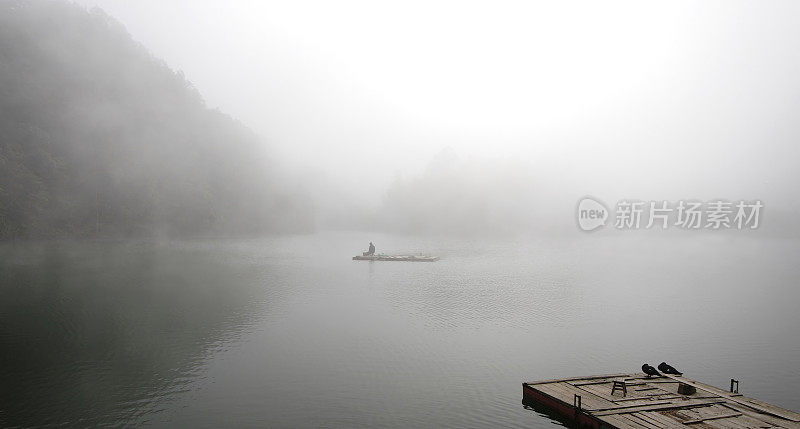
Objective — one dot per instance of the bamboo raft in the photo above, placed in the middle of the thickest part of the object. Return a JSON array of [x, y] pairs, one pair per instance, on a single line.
[[634, 401], [403, 258]]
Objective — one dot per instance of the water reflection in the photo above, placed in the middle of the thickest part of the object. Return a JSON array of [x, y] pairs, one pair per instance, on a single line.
[[100, 332], [547, 413], [205, 333]]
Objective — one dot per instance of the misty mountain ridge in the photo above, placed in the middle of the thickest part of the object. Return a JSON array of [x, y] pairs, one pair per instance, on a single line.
[[99, 138]]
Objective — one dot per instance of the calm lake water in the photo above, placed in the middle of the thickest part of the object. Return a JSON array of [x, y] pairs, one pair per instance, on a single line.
[[289, 332]]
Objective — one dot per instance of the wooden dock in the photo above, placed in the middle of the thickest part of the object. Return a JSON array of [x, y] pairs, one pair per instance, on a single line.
[[639, 402]]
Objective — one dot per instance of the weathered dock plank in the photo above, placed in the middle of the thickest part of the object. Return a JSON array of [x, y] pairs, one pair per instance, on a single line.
[[654, 403], [752, 403]]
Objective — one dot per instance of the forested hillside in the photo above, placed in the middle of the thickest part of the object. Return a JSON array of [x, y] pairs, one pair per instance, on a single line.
[[99, 138]]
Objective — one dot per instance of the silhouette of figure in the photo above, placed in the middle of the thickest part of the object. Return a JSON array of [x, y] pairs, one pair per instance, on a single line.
[[371, 250], [649, 370]]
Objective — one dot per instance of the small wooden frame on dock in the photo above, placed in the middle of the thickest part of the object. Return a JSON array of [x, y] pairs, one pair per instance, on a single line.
[[635, 401]]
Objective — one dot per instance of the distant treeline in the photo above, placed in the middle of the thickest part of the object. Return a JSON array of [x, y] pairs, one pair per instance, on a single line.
[[99, 138]]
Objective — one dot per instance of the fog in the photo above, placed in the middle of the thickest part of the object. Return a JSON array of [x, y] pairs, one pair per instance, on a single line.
[[620, 100], [210, 210], [355, 100]]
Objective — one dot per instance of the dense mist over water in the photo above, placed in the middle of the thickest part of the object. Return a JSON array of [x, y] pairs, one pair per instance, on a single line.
[[288, 332], [436, 118], [184, 185]]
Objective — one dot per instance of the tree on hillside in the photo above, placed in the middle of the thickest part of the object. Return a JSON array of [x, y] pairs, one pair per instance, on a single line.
[[98, 137]]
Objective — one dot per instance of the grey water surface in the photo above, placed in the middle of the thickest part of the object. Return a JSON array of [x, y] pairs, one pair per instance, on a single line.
[[289, 332]]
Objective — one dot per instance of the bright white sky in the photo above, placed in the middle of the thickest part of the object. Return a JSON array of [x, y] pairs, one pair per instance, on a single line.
[[660, 100]]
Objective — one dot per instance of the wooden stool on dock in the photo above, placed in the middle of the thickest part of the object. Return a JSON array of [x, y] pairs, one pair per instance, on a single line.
[[619, 384]]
